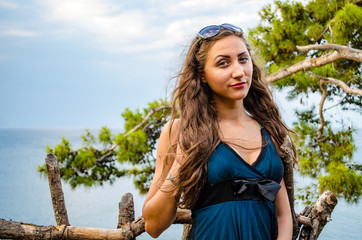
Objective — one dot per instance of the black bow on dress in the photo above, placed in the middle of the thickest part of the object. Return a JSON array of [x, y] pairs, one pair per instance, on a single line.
[[266, 187]]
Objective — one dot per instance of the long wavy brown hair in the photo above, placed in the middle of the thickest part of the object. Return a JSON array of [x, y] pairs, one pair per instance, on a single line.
[[198, 130]]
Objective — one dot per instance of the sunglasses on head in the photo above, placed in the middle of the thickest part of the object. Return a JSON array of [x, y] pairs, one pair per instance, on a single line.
[[213, 30]]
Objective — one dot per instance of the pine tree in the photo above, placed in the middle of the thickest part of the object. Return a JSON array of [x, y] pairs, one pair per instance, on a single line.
[[309, 49]]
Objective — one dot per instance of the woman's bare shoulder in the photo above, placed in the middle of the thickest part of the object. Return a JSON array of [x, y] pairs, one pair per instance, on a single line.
[[170, 131]]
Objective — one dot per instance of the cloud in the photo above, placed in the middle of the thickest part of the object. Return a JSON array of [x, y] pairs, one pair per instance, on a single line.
[[17, 33], [149, 25], [14, 22], [8, 5], [97, 18]]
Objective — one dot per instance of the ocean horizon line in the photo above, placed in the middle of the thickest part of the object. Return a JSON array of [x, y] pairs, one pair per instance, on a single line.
[[57, 128]]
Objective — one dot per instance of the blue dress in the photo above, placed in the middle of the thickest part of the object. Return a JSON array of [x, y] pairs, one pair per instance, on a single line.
[[239, 213]]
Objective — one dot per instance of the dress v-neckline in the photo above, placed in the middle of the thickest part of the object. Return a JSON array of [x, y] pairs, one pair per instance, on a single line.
[[258, 159]]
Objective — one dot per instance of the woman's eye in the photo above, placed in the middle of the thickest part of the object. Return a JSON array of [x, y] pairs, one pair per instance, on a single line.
[[222, 63], [243, 59]]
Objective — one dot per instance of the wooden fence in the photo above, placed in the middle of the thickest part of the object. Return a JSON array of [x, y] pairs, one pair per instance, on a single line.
[[311, 220]]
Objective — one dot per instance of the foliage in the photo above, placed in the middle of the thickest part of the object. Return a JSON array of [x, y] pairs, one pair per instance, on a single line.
[[285, 25], [125, 154], [328, 159]]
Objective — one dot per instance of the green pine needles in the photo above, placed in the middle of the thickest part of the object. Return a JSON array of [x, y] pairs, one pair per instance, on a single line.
[[111, 156]]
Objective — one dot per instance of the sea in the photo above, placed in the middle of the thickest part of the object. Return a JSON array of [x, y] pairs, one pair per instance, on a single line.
[[25, 195]]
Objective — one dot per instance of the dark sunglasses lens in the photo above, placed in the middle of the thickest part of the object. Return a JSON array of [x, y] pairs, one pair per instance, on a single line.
[[209, 31], [232, 27]]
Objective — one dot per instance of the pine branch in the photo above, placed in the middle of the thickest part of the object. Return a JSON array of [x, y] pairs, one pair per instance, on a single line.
[[152, 111], [340, 84], [138, 126], [341, 52], [330, 47]]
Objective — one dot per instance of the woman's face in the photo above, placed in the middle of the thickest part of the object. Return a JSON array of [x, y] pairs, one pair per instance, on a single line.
[[228, 69]]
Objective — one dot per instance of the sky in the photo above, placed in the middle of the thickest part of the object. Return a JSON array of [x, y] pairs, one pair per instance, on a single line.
[[81, 63]]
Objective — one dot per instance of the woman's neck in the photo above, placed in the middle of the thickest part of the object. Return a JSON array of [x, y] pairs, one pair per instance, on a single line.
[[231, 112]]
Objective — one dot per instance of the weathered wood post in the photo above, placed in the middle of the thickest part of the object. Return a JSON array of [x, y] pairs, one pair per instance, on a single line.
[[56, 191], [126, 210], [320, 215]]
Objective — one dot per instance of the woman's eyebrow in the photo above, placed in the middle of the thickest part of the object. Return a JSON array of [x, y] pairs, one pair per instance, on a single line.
[[222, 56], [227, 56], [243, 53]]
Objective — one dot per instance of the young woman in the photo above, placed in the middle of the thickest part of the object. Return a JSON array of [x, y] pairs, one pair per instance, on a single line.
[[218, 154]]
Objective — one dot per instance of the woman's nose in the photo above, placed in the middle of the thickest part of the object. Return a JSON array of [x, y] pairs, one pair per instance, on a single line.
[[237, 71]]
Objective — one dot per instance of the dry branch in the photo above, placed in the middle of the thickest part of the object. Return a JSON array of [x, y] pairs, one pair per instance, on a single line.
[[306, 211], [56, 191], [304, 220], [341, 52]]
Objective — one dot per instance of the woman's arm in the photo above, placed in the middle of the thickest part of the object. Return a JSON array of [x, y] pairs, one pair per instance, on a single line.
[[159, 208], [285, 222]]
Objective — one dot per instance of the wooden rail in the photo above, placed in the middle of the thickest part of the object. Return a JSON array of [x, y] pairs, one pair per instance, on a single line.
[[311, 221]]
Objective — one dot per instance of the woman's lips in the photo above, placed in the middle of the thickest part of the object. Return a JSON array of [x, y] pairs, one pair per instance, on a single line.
[[238, 85]]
